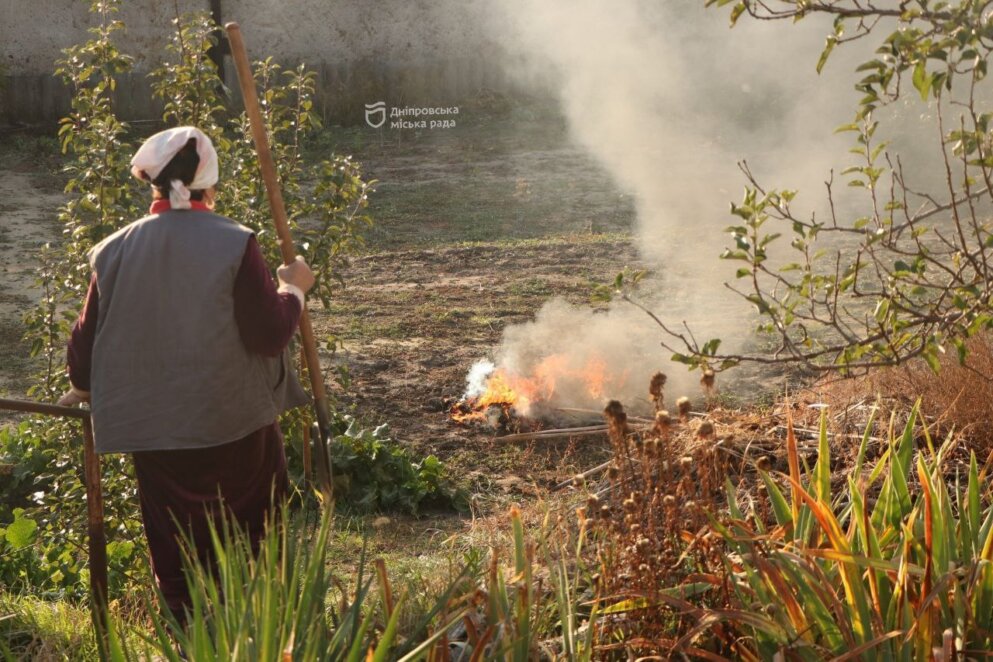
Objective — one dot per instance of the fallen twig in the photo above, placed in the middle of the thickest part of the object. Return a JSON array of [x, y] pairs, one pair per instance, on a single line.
[[575, 410], [556, 433], [814, 434], [585, 474]]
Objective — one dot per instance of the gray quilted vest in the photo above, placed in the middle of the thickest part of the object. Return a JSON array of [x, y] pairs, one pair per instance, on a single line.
[[169, 369]]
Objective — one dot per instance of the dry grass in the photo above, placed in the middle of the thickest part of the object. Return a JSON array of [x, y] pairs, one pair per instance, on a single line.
[[959, 398], [650, 514]]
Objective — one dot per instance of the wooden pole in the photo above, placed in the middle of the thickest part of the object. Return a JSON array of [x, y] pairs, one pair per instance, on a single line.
[[43, 408], [268, 167], [97, 533], [308, 473]]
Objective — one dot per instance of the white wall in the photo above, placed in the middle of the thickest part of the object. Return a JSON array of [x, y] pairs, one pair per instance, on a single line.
[[400, 48]]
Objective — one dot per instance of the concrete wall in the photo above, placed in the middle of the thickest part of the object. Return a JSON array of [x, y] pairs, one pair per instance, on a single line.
[[399, 51]]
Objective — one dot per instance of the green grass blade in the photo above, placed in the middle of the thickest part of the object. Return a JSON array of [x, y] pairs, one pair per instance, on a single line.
[[780, 506], [389, 634], [864, 444], [422, 648], [975, 541], [822, 468]]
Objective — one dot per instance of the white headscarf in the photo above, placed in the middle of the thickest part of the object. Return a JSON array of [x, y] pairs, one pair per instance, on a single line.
[[157, 151]]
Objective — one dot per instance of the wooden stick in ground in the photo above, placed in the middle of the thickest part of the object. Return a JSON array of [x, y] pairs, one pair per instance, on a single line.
[[97, 534], [268, 168], [308, 475]]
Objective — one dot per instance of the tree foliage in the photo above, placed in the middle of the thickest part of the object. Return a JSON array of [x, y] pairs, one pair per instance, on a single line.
[[909, 275]]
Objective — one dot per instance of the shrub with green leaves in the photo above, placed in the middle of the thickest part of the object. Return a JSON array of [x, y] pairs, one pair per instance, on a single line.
[[44, 513], [373, 473]]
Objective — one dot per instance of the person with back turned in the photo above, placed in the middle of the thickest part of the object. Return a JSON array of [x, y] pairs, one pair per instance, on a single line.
[[181, 348]]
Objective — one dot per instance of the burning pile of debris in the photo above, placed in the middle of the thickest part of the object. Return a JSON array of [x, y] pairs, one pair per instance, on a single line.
[[544, 401], [508, 401]]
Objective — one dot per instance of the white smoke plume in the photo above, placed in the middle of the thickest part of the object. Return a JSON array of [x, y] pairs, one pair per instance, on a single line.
[[475, 381], [590, 356], [669, 99]]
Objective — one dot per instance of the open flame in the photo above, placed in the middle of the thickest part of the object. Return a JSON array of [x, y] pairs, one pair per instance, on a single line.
[[555, 379]]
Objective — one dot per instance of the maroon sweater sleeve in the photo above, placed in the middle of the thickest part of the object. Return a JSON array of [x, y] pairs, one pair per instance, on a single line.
[[266, 318], [80, 352]]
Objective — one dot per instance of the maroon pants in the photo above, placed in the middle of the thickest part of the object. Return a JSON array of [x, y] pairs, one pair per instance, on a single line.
[[195, 487]]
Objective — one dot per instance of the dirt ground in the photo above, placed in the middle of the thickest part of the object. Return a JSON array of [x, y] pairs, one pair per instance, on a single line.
[[29, 200], [413, 322]]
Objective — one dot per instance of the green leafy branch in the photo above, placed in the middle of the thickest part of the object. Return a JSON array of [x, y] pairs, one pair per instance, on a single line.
[[910, 277]]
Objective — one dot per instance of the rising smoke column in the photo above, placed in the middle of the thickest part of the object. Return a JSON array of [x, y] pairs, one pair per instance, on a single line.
[[669, 99]]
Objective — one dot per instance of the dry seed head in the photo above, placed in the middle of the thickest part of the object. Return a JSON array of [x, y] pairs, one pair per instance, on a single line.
[[642, 545], [592, 503], [706, 430], [614, 411], [617, 421], [686, 462], [683, 407], [636, 528], [644, 569], [663, 422], [669, 500], [578, 480], [707, 379], [764, 463], [630, 505], [656, 389], [605, 512]]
